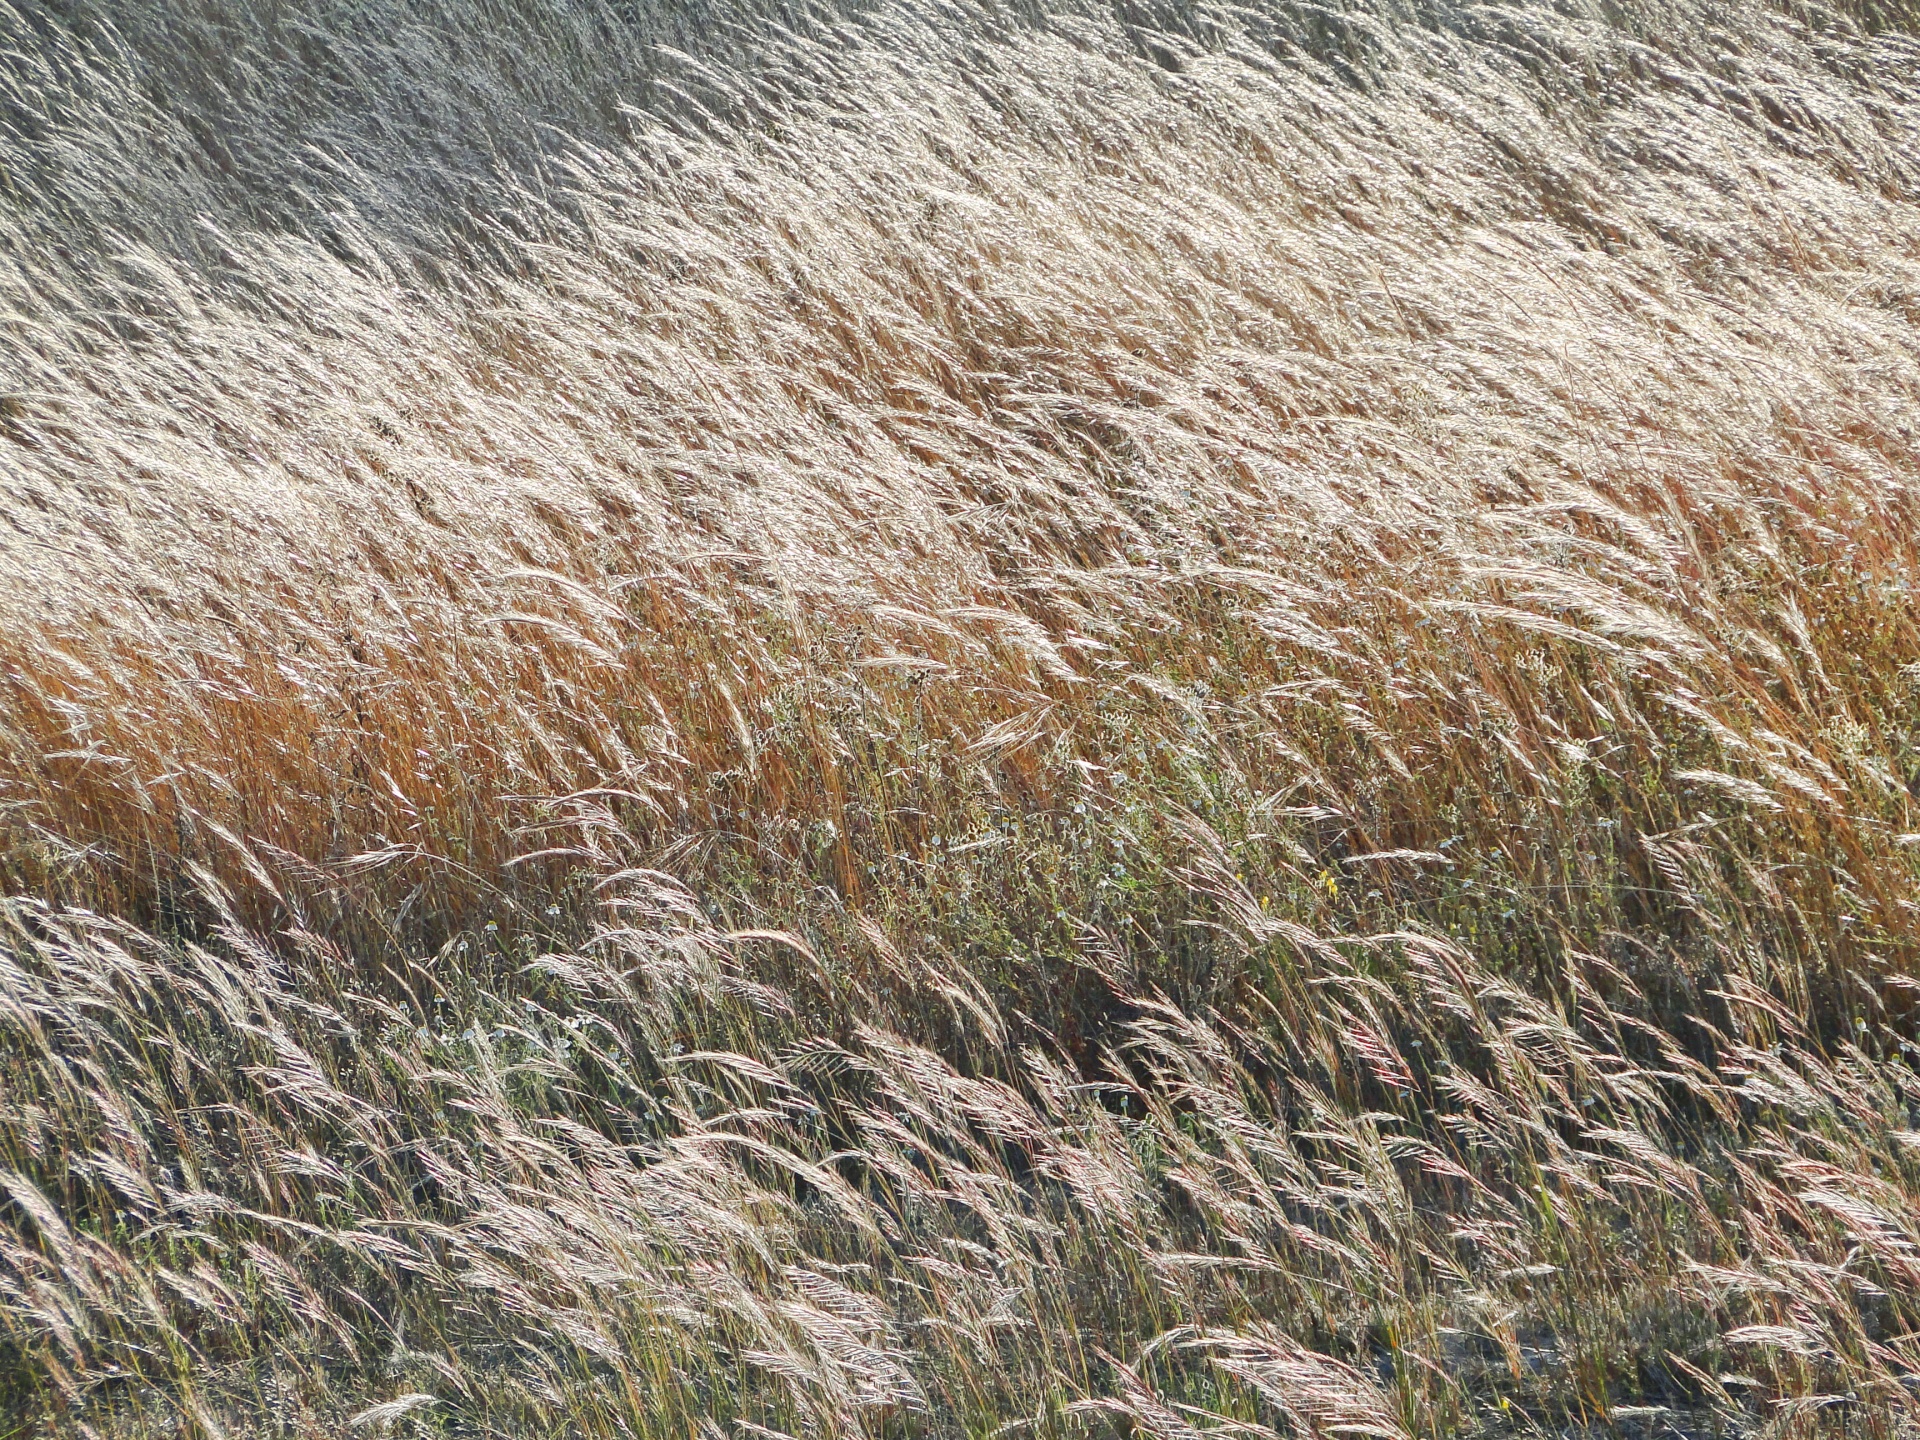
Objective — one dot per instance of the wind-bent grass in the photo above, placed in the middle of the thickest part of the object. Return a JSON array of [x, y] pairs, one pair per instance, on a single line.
[[1165, 720]]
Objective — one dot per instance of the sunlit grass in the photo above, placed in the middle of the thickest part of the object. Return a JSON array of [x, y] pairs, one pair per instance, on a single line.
[[898, 723]]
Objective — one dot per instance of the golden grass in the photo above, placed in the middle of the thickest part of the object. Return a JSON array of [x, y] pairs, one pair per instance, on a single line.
[[888, 722]]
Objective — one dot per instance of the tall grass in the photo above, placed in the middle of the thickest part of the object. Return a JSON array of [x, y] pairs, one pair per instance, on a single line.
[[963, 720]]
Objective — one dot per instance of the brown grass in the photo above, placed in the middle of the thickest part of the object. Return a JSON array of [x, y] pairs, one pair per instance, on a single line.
[[888, 722]]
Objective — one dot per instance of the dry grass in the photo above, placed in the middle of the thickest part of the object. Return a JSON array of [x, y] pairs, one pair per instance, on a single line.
[[1170, 720]]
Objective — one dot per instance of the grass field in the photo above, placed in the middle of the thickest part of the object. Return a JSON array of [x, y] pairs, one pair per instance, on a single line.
[[954, 718]]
